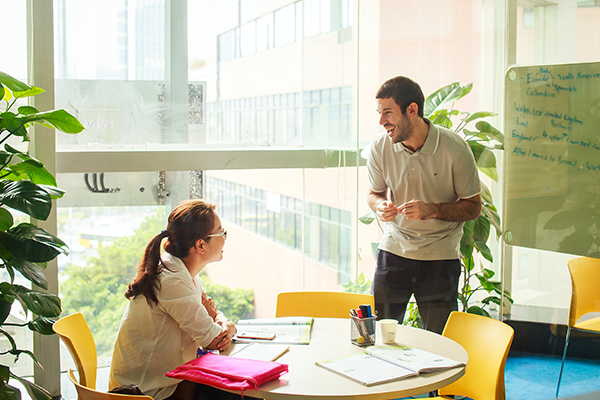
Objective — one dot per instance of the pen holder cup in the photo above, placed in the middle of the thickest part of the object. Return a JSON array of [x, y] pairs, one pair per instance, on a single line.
[[362, 331]]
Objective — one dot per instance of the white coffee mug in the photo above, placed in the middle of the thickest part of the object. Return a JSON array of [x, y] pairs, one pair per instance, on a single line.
[[388, 330]]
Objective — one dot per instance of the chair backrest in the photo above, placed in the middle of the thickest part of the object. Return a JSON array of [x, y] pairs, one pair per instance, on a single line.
[[585, 296], [76, 335], [487, 342], [320, 304], [85, 393]]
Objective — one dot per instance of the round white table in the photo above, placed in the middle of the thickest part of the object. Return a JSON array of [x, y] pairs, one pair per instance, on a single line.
[[330, 339]]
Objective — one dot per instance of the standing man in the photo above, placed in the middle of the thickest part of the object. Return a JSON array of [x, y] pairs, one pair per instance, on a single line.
[[424, 184]]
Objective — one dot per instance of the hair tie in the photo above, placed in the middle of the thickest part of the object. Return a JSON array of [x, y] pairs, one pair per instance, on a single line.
[[164, 232]]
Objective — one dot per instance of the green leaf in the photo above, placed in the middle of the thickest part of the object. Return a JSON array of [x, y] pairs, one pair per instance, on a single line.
[[491, 299], [5, 306], [9, 392], [374, 248], [4, 157], [486, 194], [41, 325], [467, 242], [478, 115], [492, 173], [368, 218], [26, 197], [2, 91], [442, 118], [12, 83], [4, 373], [484, 250], [11, 123], [32, 243], [489, 131], [31, 271], [43, 304], [36, 173], [53, 191], [485, 283], [6, 219], [488, 273], [32, 91], [21, 155], [36, 392], [27, 110], [484, 157], [59, 119], [9, 269], [481, 228], [493, 217], [9, 294], [468, 263], [478, 310], [447, 94]]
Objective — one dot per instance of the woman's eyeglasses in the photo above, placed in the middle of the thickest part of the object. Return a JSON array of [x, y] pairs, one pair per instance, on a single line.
[[222, 233]]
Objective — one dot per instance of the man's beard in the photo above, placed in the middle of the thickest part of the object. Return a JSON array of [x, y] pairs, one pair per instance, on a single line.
[[404, 130]]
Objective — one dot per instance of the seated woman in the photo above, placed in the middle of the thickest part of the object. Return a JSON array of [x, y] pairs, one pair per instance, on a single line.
[[169, 315]]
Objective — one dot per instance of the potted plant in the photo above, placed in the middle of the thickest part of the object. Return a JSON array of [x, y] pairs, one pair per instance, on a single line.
[[482, 140], [27, 187]]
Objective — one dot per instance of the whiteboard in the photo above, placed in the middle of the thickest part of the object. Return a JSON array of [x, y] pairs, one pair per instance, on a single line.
[[552, 158]]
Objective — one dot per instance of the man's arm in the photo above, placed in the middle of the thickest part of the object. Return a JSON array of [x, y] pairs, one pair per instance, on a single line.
[[379, 203], [460, 211]]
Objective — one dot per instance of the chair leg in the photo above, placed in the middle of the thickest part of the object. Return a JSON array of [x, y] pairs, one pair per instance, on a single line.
[[562, 364]]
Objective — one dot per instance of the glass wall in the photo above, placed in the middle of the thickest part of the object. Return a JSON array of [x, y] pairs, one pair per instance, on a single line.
[[221, 99], [549, 33]]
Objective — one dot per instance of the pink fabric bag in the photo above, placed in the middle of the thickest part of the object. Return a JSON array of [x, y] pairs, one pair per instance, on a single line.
[[229, 372]]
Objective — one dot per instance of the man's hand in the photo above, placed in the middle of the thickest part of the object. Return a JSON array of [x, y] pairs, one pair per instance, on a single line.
[[416, 209], [386, 211], [210, 306], [460, 211]]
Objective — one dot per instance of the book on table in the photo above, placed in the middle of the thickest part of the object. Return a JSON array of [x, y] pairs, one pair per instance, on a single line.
[[284, 330], [381, 364]]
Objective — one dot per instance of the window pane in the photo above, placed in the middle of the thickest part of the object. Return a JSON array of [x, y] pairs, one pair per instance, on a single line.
[[248, 38], [285, 25], [14, 63]]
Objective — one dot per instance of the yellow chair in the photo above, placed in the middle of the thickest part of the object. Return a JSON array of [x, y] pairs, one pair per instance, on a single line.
[[585, 299], [487, 342], [86, 393], [320, 304], [76, 335]]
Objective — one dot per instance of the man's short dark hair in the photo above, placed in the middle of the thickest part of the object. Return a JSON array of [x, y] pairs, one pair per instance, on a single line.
[[404, 91]]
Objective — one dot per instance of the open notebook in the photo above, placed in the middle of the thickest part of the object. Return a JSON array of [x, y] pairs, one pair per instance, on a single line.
[[380, 364]]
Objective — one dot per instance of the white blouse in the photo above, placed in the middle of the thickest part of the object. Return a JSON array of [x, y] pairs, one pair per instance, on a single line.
[[154, 340]]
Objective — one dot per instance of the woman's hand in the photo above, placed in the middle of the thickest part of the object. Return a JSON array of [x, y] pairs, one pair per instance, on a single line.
[[228, 327], [210, 305], [222, 341]]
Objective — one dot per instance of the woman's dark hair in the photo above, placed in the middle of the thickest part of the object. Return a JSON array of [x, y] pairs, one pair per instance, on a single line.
[[188, 222], [404, 91]]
